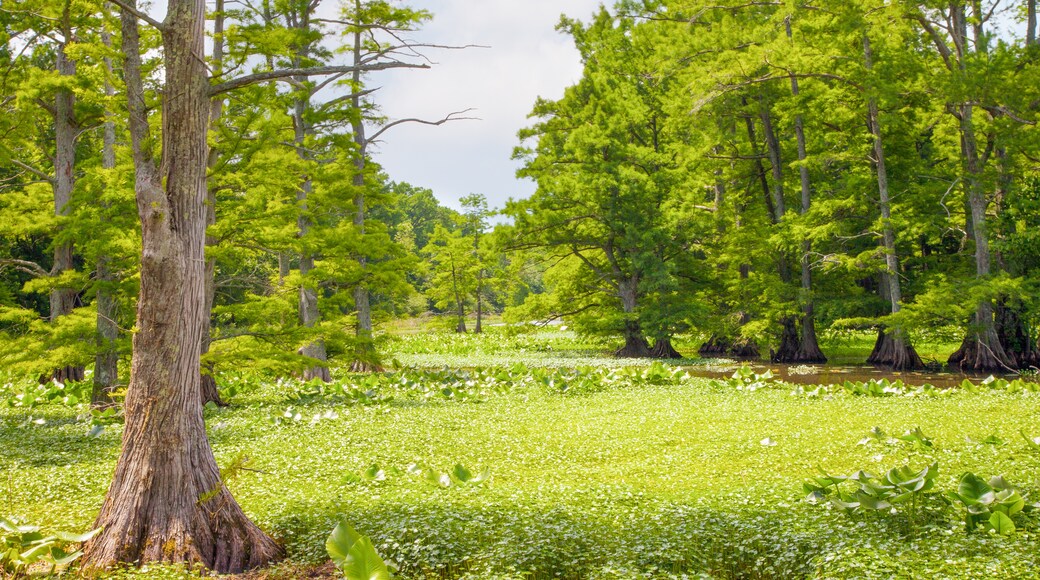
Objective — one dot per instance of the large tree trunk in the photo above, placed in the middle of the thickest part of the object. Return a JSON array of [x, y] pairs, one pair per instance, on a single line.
[[788, 350], [981, 350], [715, 346], [63, 300], [1018, 340], [892, 348], [167, 502], [208, 381]]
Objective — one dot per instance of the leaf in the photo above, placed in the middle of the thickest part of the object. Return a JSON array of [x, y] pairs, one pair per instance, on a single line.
[[460, 473], [1034, 442], [1010, 502], [374, 473], [362, 562], [1002, 523], [342, 538], [354, 554], [60, 557], [993, 440], [77, 538], [972, 490]]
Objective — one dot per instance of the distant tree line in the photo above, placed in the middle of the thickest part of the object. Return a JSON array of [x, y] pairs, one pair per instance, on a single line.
[[757, 171]]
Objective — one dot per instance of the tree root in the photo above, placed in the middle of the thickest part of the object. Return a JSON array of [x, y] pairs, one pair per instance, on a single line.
[[894, 352]]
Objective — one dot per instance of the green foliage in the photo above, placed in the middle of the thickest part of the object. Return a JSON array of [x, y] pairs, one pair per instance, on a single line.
[[23, 546], [746, 379], [989, 505], [899, 489], [354, 554]]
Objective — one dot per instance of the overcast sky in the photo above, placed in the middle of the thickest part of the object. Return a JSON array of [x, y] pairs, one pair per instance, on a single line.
[[527, 58]]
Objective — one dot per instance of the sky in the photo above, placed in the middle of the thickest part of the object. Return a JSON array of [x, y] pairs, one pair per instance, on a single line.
[[526, 59]]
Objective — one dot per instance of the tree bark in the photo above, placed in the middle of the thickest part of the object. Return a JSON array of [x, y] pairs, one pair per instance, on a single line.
[[892, 348], [1030, 22], [790, 341], [808, 346], [663, 349], [981, 350], [106, 360], [208, 381], [636, 345], [167, 502], [366, 359], [309, 314], [63, 300]]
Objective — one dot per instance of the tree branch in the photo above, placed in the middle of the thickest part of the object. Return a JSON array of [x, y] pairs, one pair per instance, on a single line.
[[274, 75], [447, 118], [140, 15], [33, 170], [26, 266]]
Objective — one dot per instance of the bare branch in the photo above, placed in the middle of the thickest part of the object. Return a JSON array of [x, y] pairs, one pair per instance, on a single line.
[[450, 117], [282, 74], [25, 266], [33, 170], [140, 15]]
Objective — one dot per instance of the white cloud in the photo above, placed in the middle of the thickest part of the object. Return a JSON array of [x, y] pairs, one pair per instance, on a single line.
[[527, 58]]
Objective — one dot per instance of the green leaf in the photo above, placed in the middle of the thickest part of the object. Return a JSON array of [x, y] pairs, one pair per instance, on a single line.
[[342, 538], [374, 473], [972, 490], [363, 562], [61, 558], [460, 473], [77, 538], [1002, 523]]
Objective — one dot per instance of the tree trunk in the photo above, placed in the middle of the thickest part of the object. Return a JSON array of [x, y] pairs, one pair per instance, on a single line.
[[636, 345], [808, 346], [716, 346], [309, 314], [1015, 335], [366, 359], [480, 302], [63, 300], [981, 350], [208, 381], [892, 348], [1030, 22], [167, 502], [460, 304], [788, 349], [106, 360], [790, 342], [892, 351], [663, 349]]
